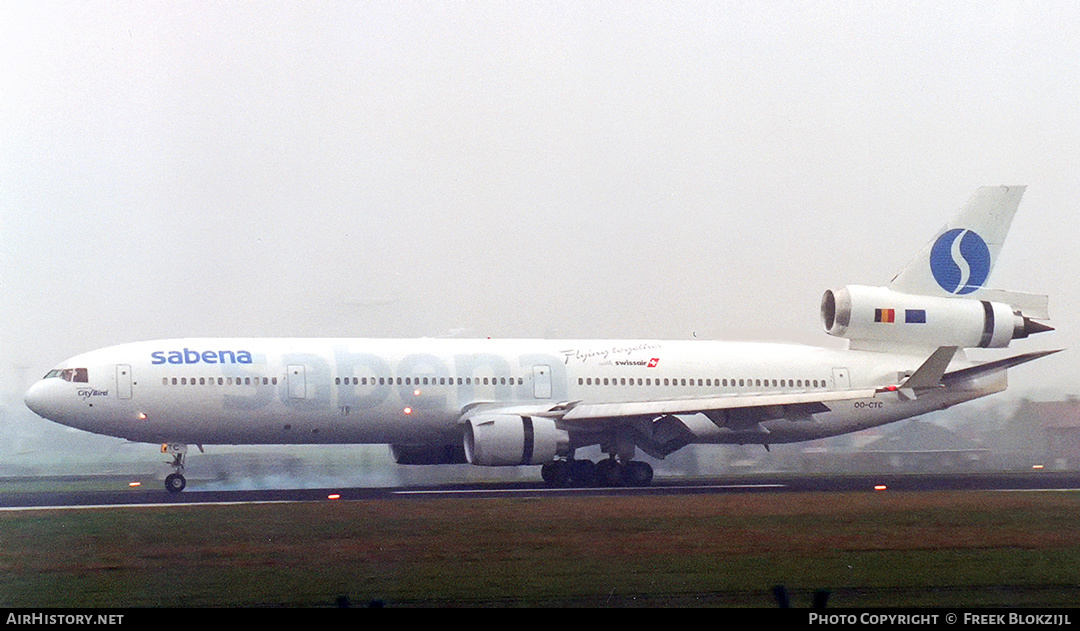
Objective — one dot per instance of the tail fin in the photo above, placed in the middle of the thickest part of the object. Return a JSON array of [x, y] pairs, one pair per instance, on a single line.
[[961, 256]]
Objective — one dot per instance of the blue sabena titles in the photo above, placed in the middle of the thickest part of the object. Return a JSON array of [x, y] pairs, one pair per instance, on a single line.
[[188, 356], [960, 261]]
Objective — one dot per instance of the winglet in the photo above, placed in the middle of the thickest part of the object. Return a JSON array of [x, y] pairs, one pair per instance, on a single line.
[[926, 376], [932, 370]]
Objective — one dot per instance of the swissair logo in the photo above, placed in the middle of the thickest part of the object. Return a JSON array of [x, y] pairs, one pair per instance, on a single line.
[[653, 362]]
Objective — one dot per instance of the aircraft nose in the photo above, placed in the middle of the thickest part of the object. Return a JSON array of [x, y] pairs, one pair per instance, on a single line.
[[38, 400]]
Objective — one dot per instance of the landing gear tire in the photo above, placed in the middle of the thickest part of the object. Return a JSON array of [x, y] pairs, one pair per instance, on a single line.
[[608, 472], [175, 482], [582, 472], [555, 473], [637, 473]]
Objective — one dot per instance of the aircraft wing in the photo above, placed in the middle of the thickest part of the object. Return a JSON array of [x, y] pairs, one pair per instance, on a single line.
[[979, 370], [731, 411], [766, 405], [742, 411]]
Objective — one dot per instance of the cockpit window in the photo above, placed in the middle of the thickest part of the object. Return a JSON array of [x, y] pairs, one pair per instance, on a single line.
[[76, 375]]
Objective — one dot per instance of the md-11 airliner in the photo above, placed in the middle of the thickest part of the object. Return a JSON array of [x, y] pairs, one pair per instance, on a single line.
[[505, 403]]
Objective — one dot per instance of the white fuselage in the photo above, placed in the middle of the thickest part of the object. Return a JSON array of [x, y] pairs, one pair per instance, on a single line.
[[415, 392]]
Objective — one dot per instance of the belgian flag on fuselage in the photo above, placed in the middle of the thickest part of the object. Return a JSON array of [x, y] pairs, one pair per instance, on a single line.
[[885, 315]]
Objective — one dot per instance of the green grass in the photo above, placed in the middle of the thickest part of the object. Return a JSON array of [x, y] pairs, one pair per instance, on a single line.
[[867, 549]]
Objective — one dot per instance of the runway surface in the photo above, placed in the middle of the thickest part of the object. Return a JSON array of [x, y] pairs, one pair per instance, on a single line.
[[146, 495]]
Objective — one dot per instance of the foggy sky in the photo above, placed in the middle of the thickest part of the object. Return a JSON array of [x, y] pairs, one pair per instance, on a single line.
[[568, 169]]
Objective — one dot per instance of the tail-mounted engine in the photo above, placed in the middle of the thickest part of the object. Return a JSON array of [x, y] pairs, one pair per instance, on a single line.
[[878, 314]]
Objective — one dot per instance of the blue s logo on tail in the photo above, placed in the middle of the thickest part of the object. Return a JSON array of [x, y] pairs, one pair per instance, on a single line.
[[960, 261]]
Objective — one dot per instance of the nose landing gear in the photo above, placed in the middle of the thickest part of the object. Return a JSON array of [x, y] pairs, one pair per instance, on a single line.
[[175, 482]]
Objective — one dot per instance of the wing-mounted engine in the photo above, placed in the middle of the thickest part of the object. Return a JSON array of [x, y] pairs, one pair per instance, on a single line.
[[494, 440], [879, 315]]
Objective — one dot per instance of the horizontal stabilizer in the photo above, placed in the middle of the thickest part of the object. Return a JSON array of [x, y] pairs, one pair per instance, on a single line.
[[1034, 306]]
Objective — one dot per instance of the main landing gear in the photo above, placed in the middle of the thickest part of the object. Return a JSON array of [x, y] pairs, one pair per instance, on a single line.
[[608, 472], [175, 481]]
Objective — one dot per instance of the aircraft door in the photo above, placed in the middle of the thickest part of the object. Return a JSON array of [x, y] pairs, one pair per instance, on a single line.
[[542, 382], [297, 376], [123, 381], [841, 378]]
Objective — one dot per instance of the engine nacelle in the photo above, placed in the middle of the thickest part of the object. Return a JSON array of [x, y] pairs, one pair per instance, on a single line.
[[494, 440], [428, 454], [878, 314]]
